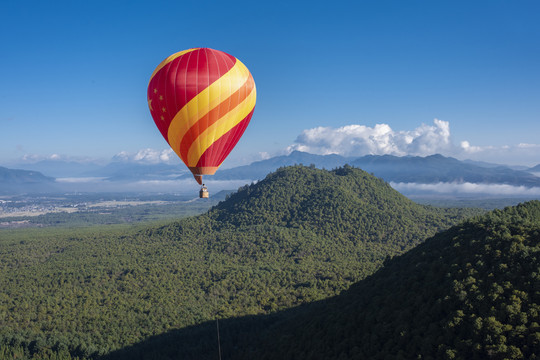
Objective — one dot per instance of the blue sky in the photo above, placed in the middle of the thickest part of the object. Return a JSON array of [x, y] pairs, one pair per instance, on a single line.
[[332, 77]]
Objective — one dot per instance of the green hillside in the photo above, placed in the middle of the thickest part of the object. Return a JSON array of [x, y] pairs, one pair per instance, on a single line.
[[298, 236], [471, 292], [344, 204]]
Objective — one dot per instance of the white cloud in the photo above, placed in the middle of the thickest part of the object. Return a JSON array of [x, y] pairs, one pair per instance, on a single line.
[[467, 188], [122, 156], [188, 185], [528, 146], [520, 154], [360, 140], [264, 155], [79, 179], [179, 186], [148, 156], [468, 148], [32, 158]]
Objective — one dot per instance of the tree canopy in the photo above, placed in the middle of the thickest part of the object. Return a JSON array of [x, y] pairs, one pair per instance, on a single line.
[[298, 236]]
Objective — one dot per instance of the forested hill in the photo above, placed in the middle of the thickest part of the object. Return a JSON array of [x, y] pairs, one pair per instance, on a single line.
[[298, 236], [472, 292], [343, 203]]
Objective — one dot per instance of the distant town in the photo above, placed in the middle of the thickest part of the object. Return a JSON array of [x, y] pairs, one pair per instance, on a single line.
[[38, 211]]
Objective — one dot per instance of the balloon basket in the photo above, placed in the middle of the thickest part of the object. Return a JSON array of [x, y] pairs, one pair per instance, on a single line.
[[203, 193]]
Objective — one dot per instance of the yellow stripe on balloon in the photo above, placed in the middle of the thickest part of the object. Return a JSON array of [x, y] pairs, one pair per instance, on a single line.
[[205, 101], [171, 58], [220, 128]]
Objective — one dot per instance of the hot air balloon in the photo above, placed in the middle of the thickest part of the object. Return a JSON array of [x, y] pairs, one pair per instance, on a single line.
[[201, 101]]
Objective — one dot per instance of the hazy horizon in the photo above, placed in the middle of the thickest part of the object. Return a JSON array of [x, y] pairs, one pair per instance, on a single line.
[[167, 156]]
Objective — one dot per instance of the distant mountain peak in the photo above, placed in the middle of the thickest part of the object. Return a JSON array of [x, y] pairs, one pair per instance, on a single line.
[[430, 169], [20, 181]]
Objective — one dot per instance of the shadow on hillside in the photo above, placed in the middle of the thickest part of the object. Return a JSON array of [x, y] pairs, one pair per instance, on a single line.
[[239, 337]]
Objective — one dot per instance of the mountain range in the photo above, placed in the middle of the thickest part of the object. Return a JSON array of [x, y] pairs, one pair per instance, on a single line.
[[16, 181], [535, 169], [407, 169], [432, 169]]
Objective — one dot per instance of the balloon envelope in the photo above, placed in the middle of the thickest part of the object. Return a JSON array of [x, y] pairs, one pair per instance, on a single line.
[[201, 101]]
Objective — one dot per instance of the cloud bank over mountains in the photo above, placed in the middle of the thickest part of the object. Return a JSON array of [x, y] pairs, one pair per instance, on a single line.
[[144, 156], [350, 141], [359, 140], [466, 188], [147, 156]]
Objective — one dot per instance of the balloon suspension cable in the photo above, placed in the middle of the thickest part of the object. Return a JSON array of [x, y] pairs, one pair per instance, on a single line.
[[218, 340], [217, 323]]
